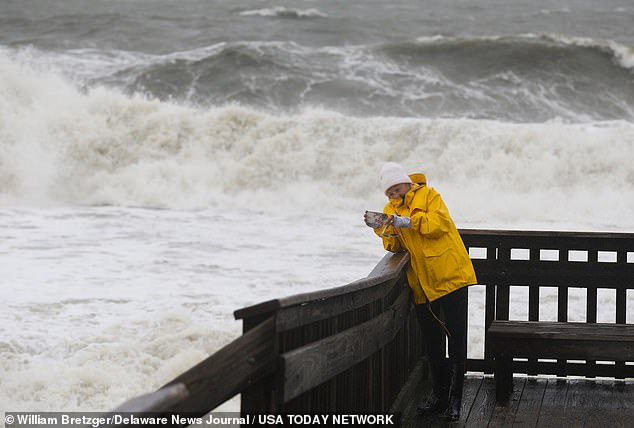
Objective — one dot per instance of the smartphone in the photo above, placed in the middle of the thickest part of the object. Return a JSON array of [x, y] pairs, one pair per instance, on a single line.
[[375, 219]]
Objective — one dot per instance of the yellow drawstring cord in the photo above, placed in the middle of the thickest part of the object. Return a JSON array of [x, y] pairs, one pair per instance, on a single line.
[[442, 324]]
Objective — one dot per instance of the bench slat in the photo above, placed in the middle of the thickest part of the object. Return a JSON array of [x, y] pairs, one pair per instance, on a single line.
[[560, 340], [561, 331]]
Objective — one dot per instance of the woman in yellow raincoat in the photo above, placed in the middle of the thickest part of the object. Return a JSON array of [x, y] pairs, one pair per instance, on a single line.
[[438, 273]]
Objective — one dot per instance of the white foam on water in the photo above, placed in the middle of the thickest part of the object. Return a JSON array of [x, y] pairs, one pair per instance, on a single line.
[[62, 146], [132, 228], [101, 304], [285, 12]]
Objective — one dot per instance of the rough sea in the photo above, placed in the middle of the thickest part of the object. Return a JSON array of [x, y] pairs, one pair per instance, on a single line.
[[165, 163]]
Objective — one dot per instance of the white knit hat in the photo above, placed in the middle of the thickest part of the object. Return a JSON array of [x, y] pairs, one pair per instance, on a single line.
[[392, 174]]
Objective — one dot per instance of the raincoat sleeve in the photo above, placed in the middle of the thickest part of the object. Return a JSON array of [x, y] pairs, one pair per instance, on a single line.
[[429, 214]]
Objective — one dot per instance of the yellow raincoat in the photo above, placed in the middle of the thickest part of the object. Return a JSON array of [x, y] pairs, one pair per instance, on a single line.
[[439, 262]]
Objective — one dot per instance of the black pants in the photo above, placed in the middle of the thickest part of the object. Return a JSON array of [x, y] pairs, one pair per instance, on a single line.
[[452, 310]]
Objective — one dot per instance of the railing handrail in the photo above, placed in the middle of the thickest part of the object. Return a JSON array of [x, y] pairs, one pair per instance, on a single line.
[[228, 371], [512, 233], [606, 241]]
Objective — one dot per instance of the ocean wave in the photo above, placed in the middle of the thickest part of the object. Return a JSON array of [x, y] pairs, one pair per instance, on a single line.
[[622, 55], [526, 78], [520, 79], [62, 146], [285, 12]]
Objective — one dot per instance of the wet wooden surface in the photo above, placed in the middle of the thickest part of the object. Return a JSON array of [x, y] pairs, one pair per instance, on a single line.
[[539, 402]]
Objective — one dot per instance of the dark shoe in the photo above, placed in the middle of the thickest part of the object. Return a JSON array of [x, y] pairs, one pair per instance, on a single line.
[[437, 400], [453, 410], [455, 392], [432, 405]]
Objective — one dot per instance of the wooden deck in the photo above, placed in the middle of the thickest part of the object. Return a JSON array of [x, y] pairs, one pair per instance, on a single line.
[[539, 402]]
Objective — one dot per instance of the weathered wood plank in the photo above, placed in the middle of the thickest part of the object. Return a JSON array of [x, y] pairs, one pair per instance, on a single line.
[[601, 396], [544, 403], [502, 295], [156, 401], [563, 331], [608, 241], [579, 402], [317, 310], [504, 415], [470, 391], [591, 304], [483, 404], [591, 317], [390, 266], [562, 304], [525, 272], [533, 303], [528, 409], [621, 306], [489, 315], [551, 414], [623, 403], [319, 361], [228, 371], [562, 316], [572, 368]]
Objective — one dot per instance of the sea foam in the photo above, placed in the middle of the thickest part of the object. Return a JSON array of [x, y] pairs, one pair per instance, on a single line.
[[60, 145]]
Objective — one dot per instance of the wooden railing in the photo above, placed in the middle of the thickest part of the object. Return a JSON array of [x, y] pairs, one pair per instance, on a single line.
[[358, 348], [350, 348], [565, 261]]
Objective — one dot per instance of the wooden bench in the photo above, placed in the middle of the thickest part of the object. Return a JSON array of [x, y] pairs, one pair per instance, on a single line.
[[554, 340]]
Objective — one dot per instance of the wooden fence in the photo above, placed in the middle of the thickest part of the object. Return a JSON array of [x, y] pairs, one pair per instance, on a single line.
[[340, 350], [565, 261], [358, 348]]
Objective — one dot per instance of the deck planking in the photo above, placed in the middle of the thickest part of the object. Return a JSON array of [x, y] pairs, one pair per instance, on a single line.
[[540, 402]]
